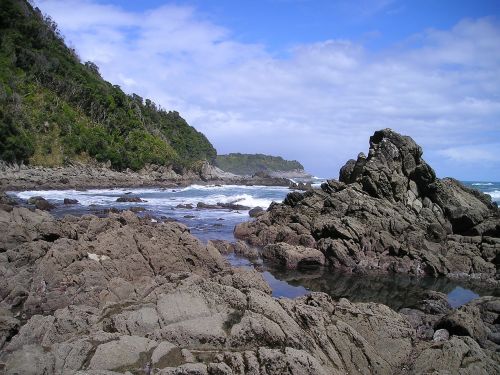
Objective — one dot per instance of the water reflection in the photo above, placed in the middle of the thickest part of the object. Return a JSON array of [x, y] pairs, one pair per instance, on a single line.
[[396, 291]]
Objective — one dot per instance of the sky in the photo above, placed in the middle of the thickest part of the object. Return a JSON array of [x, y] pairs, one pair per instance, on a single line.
[[308, 80]]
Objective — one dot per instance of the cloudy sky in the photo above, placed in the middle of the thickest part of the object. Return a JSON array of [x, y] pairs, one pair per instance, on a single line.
[[308, 79]]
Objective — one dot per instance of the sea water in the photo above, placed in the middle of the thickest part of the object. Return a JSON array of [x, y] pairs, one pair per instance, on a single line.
[[396, 291]]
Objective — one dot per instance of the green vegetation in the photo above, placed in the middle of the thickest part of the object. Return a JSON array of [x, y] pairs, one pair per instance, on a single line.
[[53, 108], [249, 164]]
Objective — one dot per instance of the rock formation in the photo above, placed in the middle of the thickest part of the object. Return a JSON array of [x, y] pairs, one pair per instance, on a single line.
[[389, 213], [124, 295]]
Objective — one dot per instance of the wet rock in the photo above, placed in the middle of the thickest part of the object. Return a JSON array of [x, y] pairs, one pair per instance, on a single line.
[[129, 199], [222, 206], [187, 206], [40, 203], [137, 209], [70, 201]]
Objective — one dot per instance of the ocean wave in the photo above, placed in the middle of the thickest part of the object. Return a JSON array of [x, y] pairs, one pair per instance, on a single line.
[[85, 198], [241, 199], [482, 184], [495, 194], [250, 196]]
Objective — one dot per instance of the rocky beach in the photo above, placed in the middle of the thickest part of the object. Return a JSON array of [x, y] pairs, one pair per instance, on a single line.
[[98, 175], [129, 294], [160, 212]]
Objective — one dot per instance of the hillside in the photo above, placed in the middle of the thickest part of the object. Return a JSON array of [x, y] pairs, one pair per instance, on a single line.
[[55, 109], [249, 164]]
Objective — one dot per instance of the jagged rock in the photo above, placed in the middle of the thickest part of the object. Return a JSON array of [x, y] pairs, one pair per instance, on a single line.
[[388, 213], [119, 293], [49, 264]]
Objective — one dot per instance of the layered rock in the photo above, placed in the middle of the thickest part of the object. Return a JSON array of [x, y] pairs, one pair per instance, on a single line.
[[123, 295], [47, 264], [388, 212]]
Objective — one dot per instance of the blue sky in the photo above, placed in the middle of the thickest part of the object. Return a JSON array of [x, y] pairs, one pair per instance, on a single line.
[[308, 79]]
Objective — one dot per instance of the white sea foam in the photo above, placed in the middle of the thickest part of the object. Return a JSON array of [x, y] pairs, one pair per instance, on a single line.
[[85, 198], [482, 184], [495, 194], [251, 196], [242, 199]]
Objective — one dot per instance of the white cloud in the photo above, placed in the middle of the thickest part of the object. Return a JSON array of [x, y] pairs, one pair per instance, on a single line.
[[319, 104], [473, 154]]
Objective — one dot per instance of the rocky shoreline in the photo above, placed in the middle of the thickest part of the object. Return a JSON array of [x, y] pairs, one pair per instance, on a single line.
[[129, 295], [387, 213], [124, 294], [95, 176]]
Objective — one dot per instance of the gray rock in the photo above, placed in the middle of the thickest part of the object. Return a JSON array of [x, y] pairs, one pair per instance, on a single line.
[[387, 213], [129, 199], [294, 256], [121, 353], [441, 335], [40, 203], [256, 212]]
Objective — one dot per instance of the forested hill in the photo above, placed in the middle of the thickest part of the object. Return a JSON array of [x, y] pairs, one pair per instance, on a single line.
[[53, 108], [249, 164]]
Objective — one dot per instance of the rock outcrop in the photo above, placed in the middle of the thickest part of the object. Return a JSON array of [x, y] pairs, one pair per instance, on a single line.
[[125, 295], [388, 212], [48, 264]]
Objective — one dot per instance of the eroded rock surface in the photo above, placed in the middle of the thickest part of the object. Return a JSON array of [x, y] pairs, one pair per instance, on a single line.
[[388, 213], [123, 295]]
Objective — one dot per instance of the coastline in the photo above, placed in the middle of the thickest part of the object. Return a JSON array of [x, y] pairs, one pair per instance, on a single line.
[[95, 176], [102, 292], [149, 293]]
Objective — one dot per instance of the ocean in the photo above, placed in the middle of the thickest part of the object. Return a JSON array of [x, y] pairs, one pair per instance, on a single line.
[[396, 291], [490, 188]]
